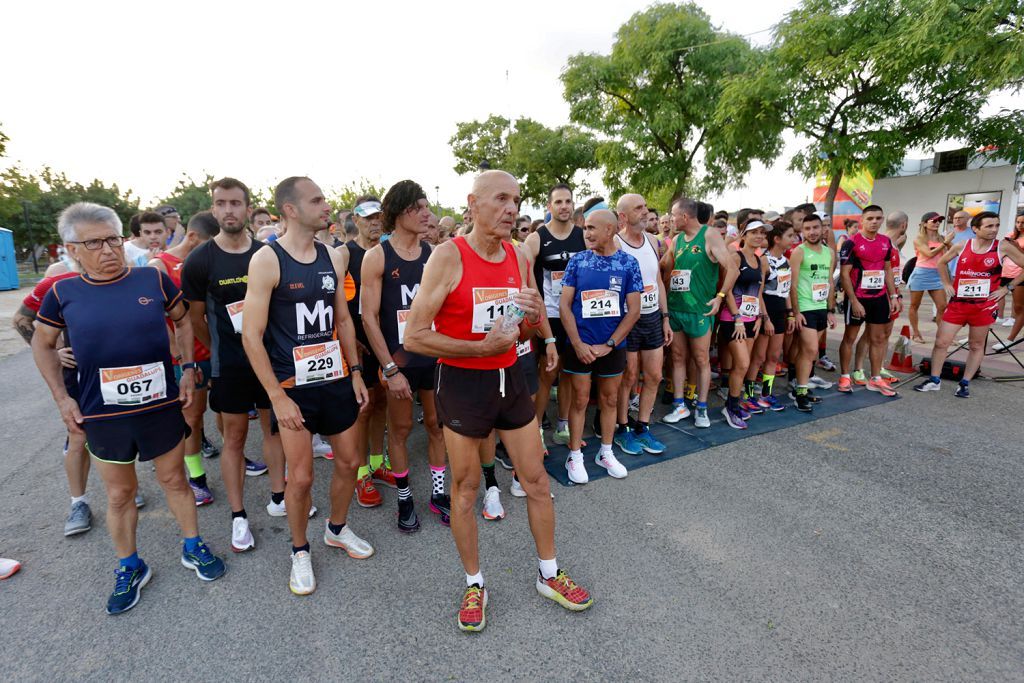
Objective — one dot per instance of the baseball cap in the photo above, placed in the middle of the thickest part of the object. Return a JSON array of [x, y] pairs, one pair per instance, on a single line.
[[166, 210], [931, 216], [772, 215], [367, 209], [754, 224]]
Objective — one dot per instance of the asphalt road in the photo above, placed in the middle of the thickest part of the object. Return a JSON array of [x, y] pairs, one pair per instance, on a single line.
[[880, 544]]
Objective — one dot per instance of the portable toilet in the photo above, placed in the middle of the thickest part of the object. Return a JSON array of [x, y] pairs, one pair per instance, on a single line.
[[8, 263]]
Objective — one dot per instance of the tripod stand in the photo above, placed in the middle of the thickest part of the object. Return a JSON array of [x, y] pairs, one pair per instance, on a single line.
[[1007, 348]]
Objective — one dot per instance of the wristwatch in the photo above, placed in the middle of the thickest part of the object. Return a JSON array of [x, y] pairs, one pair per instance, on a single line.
[[353, 368], [611, 343], [550, 340], [664, 315], [188, 366]]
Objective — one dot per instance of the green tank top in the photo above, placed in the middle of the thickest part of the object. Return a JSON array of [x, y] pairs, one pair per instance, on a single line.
[[815, 278], [694, 279]]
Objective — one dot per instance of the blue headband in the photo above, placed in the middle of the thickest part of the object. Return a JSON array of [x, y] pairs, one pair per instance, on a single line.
[[595, 207]]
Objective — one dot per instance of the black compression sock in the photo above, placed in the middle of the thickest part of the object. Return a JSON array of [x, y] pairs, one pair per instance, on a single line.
[[277, 497], [199, 481], [240, 513], [300, 548], [489, 479], [335, 528]]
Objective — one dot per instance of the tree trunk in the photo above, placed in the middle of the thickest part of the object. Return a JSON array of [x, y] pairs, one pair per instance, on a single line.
[[830, 196]]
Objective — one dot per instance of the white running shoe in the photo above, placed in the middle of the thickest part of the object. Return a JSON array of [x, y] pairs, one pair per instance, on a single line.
[[241, 536], [819, 383], [577, 470], [634, 404], [701, 419], [1008, 322], [1000, 346], [679, 412], [321, 449], [348, 541], [302, 581], [8, 568], [278, 509], [608, 461], [517, 489], [492, 508]]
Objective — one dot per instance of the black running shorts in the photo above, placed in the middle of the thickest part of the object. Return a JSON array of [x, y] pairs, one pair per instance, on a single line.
[[142, 437], [327, 409], [237, 394], [474, 402], [648, 333], [876, 312]]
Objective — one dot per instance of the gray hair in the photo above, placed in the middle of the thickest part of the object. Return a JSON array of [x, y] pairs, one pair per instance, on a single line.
[[85, 212], [687, 206]]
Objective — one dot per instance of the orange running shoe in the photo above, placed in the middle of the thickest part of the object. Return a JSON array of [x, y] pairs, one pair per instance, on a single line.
[[881, 386], [564, 591], [473, 612], [384, 476], [845, 385], [366, 494]]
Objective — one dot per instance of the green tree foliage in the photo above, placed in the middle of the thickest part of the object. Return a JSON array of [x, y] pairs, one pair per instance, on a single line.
[[535, 154], [653, 99], [345, 196], [3, 143], [189, 196], [864, 81], [49, 193]]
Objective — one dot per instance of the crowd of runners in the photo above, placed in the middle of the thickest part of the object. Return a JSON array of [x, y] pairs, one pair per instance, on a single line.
[[337, 331]]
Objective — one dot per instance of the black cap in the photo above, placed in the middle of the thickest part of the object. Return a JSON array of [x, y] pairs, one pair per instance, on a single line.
[[931, 216]]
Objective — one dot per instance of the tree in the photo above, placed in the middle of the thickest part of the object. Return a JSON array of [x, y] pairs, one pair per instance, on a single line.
[[653, 100], [864, 81], [536, 155], [3, 143], [190, 196]]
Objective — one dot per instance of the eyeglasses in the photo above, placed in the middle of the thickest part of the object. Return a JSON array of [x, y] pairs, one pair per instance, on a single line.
[[94, 245], [526, 229]]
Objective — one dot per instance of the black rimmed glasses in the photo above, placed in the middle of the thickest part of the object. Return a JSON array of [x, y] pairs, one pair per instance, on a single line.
[[113, 242]]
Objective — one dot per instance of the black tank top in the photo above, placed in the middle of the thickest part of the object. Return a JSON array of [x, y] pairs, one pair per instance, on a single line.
[[355, 265], [551, 261], [302, 315], [399, 285]]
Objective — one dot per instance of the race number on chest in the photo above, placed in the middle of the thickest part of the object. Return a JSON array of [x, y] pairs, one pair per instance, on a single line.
[[488, 305], [134, 385], [318, 362]]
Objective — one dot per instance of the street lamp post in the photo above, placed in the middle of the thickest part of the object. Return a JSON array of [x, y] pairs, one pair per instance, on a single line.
[[31, 238]]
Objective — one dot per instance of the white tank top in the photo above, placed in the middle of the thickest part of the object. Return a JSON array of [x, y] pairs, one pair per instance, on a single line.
[[647, 256]]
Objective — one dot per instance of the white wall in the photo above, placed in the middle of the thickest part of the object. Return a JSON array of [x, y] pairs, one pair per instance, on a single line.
[[917, 195]]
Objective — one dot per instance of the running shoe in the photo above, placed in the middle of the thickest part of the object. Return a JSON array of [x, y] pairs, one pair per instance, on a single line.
[[322, 449], [502, 456], [347, 540], [492, 508], [742, 412], [1000, 347], [627, 443], [384, 476], [963, 391], [408, 520], [441, 504], [140, 502], [209, 450], [561, 437], [254, 468], [734, 419], [608, 461], [928, 385], [79, 519], [202, 494], [889, 377], [812, 398], [818, 383], [751, 406], [825, 363], [577, 470], [128, 585], [367, 495], [241, 536], [545, 423], [302, 581], [634, 405], [1009, 322], [700, 418], [253, 414], [517, 489], [845, 385], [678, 412], [279, 510], [879, 385], [647, 441], [564, 591], [771, 403], [723, 392], [473, 610], [8, 568], [859, 378], [206, 565], [802, 403]]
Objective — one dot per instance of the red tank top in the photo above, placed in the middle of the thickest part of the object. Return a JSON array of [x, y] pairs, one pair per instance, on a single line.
[[977, 275], [479, 298], [174, 264]]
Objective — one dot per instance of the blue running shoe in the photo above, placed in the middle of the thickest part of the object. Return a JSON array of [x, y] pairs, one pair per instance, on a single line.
[[128, 585], [647, 441], [207, 566], [254, 468], [771, 403], [627, 442], [964, 391], [735, 420]]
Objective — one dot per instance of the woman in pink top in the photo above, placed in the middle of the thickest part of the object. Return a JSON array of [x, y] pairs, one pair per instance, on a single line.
[[929, 247], [1010, 271]]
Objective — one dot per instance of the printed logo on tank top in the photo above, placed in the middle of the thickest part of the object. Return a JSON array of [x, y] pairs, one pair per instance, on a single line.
[[409, 294], [320, 317], [327, 283]]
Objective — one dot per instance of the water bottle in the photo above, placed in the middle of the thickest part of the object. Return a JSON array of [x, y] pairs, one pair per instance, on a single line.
[[513, 316]]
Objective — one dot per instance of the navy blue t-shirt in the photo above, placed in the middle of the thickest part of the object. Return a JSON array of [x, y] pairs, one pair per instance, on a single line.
[[119, 333], [601, 284]]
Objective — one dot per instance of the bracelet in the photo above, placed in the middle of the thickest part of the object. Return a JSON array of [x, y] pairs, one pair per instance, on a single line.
[[721, 295], [389, 374], [188, 366], [389, 366], [550, 340], [355, 368]]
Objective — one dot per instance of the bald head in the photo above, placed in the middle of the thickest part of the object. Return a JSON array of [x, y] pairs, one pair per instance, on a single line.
[[488, 180], [897, 220], [602, 218], [446, 223], [633, 212], [494, 202]]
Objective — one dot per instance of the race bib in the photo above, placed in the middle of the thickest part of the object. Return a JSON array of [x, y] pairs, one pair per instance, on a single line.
[[600, 303], [133, 386], [680, 281], [556, 287], [750, 307], [649, 299], [402, 317], [488, 305], [317, 362], [819, 291], [973, 288], [235, 313], [785, 280], [523, 348], [873, 279]]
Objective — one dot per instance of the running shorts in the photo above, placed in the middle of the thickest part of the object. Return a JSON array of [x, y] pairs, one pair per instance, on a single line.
[[473, 402], [975, 315], [327, 409], [693, 325], [123, 440], [610, 365], [648, 333], [237, 394], [876, 312]]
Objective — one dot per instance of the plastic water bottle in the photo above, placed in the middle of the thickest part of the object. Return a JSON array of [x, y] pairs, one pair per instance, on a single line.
[[513, 316]]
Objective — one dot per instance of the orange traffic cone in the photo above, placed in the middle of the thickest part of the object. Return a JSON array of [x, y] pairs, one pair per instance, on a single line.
[[902, 359]]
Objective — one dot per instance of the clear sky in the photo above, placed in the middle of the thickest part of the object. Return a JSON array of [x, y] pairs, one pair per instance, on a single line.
[[139, 92]]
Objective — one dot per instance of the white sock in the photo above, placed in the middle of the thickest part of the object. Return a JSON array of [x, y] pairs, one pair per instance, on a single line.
[[548, 568], [575, 454], [606, 449], [562, 425], [477, 578], [84, 498]]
